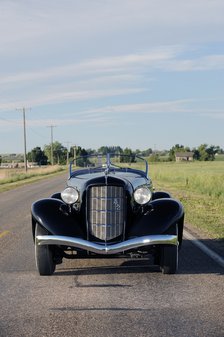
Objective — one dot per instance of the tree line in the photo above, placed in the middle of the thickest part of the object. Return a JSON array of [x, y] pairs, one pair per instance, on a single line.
[[203, 152], [61, 155]]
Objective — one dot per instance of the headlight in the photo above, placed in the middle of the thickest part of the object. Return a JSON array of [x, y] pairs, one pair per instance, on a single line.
[[70, 195], [142, 195]]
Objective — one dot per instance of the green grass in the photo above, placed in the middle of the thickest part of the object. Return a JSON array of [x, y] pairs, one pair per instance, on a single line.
[[219, 157], [200, 187]]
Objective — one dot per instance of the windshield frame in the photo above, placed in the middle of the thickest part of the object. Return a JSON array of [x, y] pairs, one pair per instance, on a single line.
[[107, 163]]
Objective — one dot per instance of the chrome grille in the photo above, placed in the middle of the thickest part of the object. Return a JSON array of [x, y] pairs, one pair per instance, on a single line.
[[106, 211]]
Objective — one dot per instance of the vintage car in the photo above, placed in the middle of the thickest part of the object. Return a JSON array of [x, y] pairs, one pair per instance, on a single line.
[[108, 209]]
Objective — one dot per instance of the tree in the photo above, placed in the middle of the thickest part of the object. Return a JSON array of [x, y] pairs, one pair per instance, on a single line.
[[154, 157], [80, 157], [174, 150], [196, 155], [205, 153], [59, 152], [38, 156], [129, 156], [110, 149], [147, 153], [80, 152], [91, 151]]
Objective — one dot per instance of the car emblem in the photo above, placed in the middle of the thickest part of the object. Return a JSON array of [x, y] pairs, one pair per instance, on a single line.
[[116, 204]]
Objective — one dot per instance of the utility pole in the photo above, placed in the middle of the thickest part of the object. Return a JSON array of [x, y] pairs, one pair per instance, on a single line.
[[154, 148], [24, 135], [74, 148], [67, 143], [52, 154]]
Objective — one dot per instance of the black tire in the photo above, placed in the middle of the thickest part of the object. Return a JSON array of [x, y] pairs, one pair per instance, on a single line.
[[169, 259], [43, 255]]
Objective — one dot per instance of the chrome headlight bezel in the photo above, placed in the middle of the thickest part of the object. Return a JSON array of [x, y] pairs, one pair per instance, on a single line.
[[70, 195], [142, 195]]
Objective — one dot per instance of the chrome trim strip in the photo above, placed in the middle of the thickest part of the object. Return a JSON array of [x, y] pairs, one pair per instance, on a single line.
[[106, 248]]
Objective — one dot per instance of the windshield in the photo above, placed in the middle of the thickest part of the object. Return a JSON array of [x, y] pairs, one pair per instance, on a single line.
[[99, 162]]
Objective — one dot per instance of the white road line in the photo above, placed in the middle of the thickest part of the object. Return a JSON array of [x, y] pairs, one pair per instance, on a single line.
[[217, 258]]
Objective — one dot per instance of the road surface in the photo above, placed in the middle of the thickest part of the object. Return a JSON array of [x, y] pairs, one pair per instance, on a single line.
[[100, 297]]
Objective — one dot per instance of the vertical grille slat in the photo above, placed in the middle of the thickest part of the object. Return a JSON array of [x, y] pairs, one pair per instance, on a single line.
[[106, 211]]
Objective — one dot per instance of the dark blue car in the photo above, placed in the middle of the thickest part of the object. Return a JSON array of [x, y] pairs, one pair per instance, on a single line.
[[108, 208]]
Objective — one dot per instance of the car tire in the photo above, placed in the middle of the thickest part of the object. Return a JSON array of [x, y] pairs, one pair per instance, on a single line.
[[43, 254], [169, 259]]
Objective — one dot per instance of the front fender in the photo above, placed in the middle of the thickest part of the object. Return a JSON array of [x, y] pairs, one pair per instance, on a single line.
[[160, 195], [51, 215], [163, 217]]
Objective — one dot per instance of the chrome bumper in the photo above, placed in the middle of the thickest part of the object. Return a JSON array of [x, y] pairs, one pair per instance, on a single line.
[[105, 248]]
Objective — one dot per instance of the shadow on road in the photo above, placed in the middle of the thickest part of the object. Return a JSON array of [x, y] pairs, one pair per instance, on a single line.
[[127, 267]]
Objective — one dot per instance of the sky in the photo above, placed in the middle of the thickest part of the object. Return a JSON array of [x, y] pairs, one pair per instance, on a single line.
[[135, 73]]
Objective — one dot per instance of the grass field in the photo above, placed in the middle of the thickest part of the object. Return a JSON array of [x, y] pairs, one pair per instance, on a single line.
[[200, 187], [11, 178]]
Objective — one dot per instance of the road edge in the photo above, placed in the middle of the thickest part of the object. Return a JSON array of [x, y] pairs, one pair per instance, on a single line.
[[211, 253]]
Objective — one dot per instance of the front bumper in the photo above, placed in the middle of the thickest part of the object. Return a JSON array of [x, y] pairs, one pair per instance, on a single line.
[[105, 248]]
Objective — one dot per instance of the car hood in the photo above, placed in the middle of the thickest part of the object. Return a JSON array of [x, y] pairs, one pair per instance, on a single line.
[[134, 179]]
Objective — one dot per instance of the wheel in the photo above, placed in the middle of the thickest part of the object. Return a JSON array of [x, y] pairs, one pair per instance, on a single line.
[[169, 259], [43, 255]]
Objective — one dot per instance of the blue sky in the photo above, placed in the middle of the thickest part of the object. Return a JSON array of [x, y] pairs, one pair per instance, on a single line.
[[134, 73]]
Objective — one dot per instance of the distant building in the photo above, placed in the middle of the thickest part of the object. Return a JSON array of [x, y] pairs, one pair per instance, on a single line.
[[184, 156]]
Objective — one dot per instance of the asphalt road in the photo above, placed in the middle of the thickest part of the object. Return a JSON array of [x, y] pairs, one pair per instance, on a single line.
[[104, 297]]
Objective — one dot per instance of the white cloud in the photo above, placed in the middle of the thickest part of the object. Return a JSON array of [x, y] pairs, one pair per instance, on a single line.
[[96, 66], [35, 34], [63, 97], [81, 96], [106, 77], [167, 107], [152, 107], [121, 67], [204, 63], [25, 19]]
